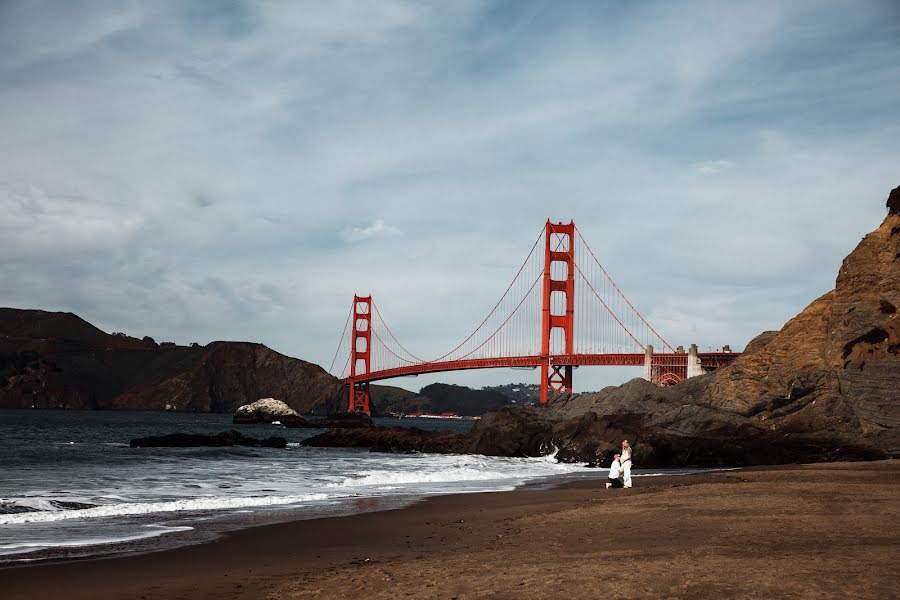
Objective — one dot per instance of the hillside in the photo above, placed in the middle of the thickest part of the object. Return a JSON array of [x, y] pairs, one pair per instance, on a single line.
[[437, 398], [58, 360]]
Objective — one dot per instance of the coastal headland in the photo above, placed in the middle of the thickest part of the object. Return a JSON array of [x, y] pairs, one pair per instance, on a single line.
[[809, 531]]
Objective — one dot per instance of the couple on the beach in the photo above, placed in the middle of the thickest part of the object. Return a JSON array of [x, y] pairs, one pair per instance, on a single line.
[[620, 469]]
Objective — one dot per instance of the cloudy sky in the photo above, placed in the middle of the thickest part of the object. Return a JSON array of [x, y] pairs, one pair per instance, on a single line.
[[236, 170]]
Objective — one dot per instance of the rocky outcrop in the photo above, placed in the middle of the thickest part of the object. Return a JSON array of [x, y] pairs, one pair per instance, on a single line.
[[391, 439], [195, 440], [265, 410], [824, 387]]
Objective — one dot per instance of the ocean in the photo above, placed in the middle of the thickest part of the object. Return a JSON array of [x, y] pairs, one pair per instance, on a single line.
[[70, 485]]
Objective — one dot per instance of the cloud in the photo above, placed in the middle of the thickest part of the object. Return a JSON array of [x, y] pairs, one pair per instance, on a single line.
[[207, 175], [378, 228], [711, 167]]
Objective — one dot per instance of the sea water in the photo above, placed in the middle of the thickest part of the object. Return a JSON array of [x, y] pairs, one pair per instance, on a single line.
[[70, 485]]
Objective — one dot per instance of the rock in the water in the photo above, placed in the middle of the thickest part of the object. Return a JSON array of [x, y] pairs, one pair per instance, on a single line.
[[391, 439], [194, 440], [265, 410]]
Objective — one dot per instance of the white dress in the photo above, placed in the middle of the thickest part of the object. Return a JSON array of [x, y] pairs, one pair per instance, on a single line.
[[626, 468]]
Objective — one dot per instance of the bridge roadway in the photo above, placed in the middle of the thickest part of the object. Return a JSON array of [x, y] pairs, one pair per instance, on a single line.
[[713, 359]]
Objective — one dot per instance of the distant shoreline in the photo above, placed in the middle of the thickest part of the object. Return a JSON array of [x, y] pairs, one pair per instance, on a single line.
[[766, 532]]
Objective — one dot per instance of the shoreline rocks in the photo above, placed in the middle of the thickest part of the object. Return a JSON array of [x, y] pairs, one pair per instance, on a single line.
[[397, 440], [196, 440]]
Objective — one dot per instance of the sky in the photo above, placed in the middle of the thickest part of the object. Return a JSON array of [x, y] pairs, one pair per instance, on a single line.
[[199, 171]]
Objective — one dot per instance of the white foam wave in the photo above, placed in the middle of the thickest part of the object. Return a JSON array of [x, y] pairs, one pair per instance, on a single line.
[[449, 475], [144, 508], [151, 531], [30, 504]]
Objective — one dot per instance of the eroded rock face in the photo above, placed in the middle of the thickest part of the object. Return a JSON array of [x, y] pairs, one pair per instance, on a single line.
[[265, 410], [836, 366]]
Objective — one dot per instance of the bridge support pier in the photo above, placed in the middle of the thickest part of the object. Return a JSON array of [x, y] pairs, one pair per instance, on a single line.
[[359, 396], [559, 250], [694, 366], [360, 353], [648, 363]]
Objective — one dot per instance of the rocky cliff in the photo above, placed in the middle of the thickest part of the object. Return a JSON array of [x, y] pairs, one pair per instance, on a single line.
[[58, 360], [826, 386]]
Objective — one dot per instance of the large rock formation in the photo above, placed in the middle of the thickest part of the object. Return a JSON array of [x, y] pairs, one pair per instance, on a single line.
[[265, 410], [57, 360], [824, 387]]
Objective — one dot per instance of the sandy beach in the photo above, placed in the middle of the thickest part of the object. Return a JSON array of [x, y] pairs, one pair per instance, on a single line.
[[813, 531]]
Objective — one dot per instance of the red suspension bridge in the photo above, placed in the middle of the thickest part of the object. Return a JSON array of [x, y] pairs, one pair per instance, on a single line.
[[534, 324]]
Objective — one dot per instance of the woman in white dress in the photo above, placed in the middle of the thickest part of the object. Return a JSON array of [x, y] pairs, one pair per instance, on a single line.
[[626, 463]]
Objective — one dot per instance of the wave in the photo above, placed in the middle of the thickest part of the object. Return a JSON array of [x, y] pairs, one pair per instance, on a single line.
[[151, 531], [144, 508], [450, 475], [12, 507]]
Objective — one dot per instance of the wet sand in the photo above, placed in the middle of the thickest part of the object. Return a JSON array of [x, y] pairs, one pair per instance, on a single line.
[[817, 531]]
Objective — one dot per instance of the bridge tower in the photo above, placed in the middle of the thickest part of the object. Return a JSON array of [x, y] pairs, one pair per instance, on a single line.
[[360, 353], [559, 252]]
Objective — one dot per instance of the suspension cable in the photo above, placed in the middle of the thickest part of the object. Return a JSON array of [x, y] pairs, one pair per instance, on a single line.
[[622, 325], [519, 305], [503, 324], [386, 347], [341, 340], [393, 337], [496, 306], [624, 297]]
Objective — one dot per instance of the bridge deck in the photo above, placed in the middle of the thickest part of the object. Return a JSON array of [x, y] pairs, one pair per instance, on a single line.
[[580, 360]]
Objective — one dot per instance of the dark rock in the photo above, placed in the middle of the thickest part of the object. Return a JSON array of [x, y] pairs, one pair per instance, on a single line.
[[893, 202], [195, 440], [344, 420], [391, 439]]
